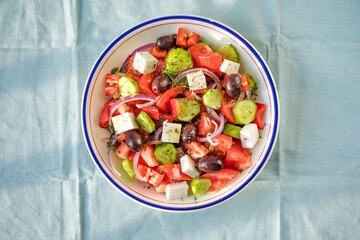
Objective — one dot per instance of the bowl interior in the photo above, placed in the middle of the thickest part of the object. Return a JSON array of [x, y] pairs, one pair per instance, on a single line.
[[115, 54]]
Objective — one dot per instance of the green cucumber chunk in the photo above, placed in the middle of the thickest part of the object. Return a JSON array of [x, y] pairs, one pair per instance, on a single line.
[[232, 130], [212, 98], [189, 108], [127, 86], [252, 83], [200, 186], [228, 52], [177, 60], [145, 122], [165, 153], [128, 167], [244, 111]]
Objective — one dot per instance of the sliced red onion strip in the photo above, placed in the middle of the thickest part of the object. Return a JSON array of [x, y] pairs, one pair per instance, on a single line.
[[206, 71], [111, 163], [158, 133], [248, 94], [154, 142], [196, 96], [212, 85], [213, 114], [144, 48], [148, 104], [128, 99], [135, 166]]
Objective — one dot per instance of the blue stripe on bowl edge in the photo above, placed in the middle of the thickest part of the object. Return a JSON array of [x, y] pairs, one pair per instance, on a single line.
[[272, 86]]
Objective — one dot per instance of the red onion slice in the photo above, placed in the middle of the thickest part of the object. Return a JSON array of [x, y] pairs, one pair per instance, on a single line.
[[158, 133], [196, 96], [144, 48], [241, 97], [111, 163], [128, 99], [248, 94], [148, 104], [135, 166], [206, 71], [213, 114], [154, 142], [212, 85]]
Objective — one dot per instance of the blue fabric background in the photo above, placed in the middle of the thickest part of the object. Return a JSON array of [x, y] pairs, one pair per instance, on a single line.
[[50, 188]]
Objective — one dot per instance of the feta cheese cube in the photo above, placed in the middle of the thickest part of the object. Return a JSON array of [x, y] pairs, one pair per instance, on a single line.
[[144, 62], [188, 166], [177, 190], [171, 132], [196, 80], [229, 67], [249, 135], [124, 122]]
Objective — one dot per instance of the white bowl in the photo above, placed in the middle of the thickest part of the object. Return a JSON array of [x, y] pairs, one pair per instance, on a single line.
[[115, 54]]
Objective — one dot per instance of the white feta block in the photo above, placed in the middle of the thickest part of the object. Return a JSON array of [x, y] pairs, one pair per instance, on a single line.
[[177, 191], [249, 135], [171, 132], [188, 166], [144, 62], [124, 122], [196, 80], [229, 67]]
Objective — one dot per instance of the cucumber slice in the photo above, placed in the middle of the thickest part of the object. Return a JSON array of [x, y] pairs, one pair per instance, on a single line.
[[178, 60], [165, 153], [188, 109], [127, 86], [244, 111], [128, 167], [228, 52], [200, 186], [232, 130], [212, 98], [145, 122]]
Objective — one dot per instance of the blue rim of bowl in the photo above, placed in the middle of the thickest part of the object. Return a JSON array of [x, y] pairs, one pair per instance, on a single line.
[[264, 67]]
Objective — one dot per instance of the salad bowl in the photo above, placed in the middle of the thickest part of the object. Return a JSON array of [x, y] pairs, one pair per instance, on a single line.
[[93, 100]]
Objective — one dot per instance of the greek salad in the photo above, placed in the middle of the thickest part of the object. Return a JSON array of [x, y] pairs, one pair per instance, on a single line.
[[181, 115]]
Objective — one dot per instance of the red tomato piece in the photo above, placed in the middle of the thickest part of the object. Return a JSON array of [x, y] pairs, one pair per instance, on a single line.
[[144, 84], [216, 185], [227, 107], [259, 111], [123, 149], [121, 137], [153, 112], [150, 175], [195, 149], [238, 158], [186, 40], [161, 65], [105, 114], [225, 143], [173, 172], [224, 174], [131, 71], [163, 102], [204, 124], [167, 117], [148, 155], [158, 53], [174, 107], [111, 84], [244, 83], [203, 56]]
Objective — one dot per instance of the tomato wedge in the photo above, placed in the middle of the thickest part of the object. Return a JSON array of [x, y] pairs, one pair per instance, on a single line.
[[149, 157], [131, 71], [203, 56], [163, 102], [161, 65], [124, 150], [111, 84], [144, 84], [153, 112], [186, 40], [173, 172], [226, 107], [158, 53], [259, 111], [224, 174], [244, 83], [195, 149], [238, 158]]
